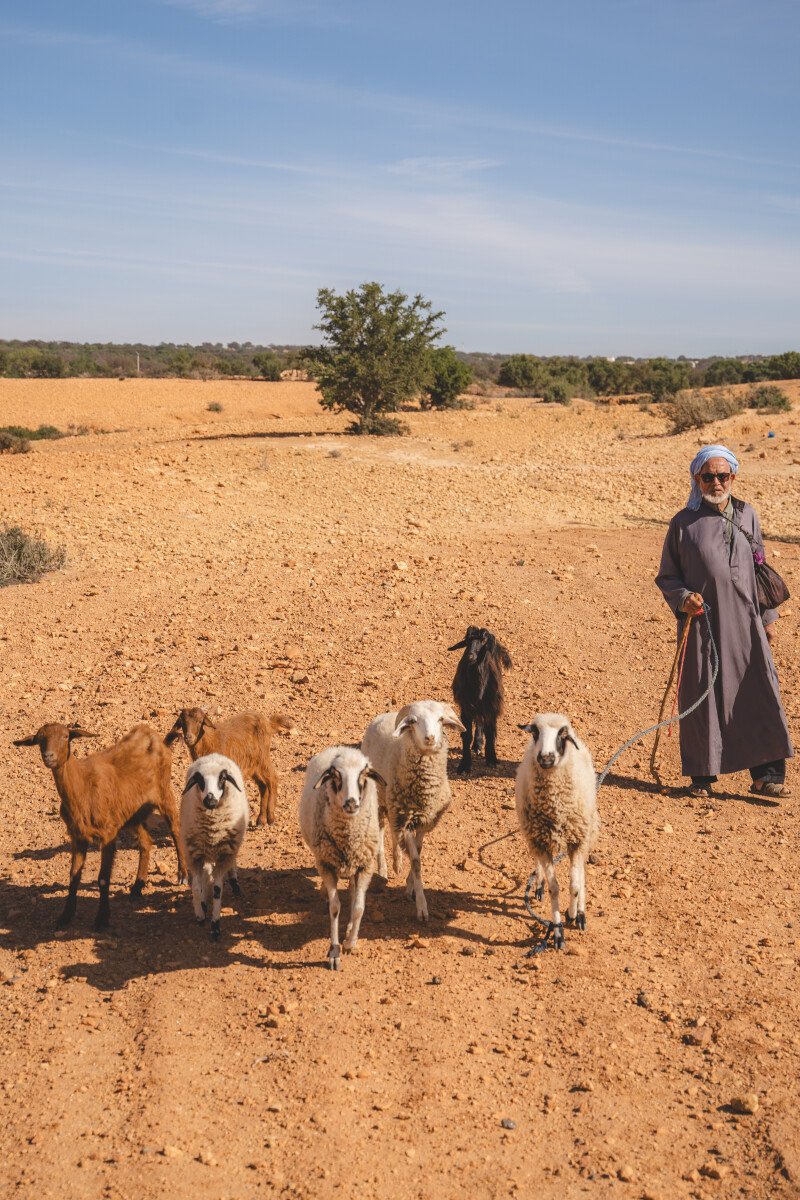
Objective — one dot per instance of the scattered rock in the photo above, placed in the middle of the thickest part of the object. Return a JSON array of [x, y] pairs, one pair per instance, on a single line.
[[746, 1105]]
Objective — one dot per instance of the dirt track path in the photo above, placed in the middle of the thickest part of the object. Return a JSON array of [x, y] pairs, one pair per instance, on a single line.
[[325, 577]]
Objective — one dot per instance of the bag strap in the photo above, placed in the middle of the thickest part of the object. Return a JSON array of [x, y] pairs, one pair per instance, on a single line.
[[738, 507]]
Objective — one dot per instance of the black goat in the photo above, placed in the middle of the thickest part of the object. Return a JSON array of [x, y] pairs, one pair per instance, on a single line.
[[478, 692]]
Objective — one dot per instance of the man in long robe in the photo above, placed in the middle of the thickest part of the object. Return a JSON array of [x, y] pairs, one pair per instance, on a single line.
[[706, 559]]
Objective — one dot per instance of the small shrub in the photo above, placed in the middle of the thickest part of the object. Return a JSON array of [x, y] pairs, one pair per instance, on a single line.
[[694, 409], [214, 406], [43, 433], [767, 396], [379, 425], [557, 392], [25, 559], [11, 444]]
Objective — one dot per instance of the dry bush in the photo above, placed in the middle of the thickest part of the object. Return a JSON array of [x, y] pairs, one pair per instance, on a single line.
[[11, 444], [25, 559], [379, 425], [46, 433], [694, 409], [767, 395], [214, 406]]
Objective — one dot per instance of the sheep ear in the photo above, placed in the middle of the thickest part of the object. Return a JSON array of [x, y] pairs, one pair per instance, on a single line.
[[450, 719], [226, 777], [324, 777], [33, 740], [458, 646], [567, 735], [195, 780], [401, 726], [373, 774], [77, 731], [529, 728]]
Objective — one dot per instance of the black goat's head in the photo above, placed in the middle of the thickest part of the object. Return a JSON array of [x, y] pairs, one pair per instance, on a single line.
[[477, 642]]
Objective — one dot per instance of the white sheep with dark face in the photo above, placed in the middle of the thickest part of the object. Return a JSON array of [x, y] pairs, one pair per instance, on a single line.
[[409, 749], [556, 793], [214, 819], [341, 825]]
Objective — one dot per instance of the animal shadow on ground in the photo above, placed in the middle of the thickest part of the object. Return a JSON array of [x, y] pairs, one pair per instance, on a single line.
[[281, 911]]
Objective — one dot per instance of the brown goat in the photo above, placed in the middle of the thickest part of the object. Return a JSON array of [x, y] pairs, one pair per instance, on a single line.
[[245, 738], [102, 794]]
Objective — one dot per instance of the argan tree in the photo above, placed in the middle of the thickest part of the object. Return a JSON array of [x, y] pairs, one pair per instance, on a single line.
[[374, 354]]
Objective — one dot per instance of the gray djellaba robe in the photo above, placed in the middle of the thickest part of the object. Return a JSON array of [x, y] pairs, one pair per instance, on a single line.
[[742, 723]]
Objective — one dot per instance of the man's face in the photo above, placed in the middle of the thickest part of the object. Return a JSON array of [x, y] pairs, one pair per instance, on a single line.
[[715, 480]]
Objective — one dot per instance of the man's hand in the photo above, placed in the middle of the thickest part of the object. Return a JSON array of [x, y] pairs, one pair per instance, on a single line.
[[770, 630], [693, 604]]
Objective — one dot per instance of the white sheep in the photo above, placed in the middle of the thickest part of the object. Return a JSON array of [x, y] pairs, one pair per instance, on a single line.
[[556, 791], [341, 825], [409, 749], [214, 817]]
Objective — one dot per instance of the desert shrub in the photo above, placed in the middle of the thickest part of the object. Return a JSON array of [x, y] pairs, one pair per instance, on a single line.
[[555, 391], [767, 396], [25, 559], [694, 409], [268, 366], [214, 406], [11, 444], [43, 433], [448, 379], [379, 425]]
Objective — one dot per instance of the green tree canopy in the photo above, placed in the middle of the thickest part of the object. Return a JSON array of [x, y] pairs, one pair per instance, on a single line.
[[374, 353], [448, 377]]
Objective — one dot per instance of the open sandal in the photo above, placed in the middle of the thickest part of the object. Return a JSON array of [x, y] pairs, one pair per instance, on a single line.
[[767, 787], [700, 791]]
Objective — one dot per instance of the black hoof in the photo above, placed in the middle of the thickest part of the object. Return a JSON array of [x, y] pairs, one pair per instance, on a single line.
[[235, 888], [558, 937], [491, 762], [580, 921], [539, 891], [101, 923], [214, 931], [137, 887], [335, 958], [204, 907], [569, 921], [64, 920], [464, 767]]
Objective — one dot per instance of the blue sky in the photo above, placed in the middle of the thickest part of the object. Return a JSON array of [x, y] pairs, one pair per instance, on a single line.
[[603, 176]]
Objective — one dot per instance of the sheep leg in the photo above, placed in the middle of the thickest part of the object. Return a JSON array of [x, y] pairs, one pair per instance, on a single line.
[[145, 847], [465, 765], [549, 869], [217, 879], [414, 881], [580, 890], [358, 890], [233, 880], [107, 853], [397, 851], [169, 812], [199, 875], [329, 880], [75, 870], [383, 870], [491, 738]]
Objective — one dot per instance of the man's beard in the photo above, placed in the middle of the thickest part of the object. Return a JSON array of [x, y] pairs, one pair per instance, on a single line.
[[720, 500]]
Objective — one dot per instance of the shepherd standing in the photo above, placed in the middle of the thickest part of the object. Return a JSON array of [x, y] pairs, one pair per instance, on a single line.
[[742, 725]]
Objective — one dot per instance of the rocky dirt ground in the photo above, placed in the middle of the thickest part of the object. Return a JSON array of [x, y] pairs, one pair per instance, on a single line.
[[258, 558]]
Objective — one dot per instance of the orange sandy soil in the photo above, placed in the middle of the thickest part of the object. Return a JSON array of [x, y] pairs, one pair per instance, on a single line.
[[259, 558]]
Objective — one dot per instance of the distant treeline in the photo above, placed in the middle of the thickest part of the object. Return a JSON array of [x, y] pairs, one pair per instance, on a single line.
[[559, 377], [60, 360]]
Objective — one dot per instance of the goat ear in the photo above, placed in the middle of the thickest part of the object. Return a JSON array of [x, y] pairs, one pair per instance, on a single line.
[[33, 740], [196, 780], [176, 732], [373, 774], [76, 731], [324, 777], [207, 723], [450, 719], [458, 646], [226, 777]]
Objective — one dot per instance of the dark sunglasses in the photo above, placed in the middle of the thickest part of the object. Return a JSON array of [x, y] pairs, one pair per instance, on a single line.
[[710, 476]]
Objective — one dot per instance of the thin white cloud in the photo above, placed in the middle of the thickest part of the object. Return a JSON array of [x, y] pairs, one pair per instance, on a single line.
[[787, 204], [434, 167], [236, 11], [96, 260]]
